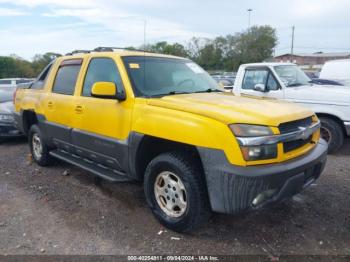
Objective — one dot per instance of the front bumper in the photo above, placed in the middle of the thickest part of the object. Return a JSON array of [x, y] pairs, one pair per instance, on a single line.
[[347, 128], [8, 130], [232, 189]]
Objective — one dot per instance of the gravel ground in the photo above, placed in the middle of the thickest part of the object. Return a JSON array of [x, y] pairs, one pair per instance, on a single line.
[[44, 212]]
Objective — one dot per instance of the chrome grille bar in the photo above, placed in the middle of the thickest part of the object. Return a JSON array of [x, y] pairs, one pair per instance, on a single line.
[[302, 133]]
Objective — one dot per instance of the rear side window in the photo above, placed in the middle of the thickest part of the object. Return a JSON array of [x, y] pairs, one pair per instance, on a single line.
[[5, 82], [41, 80], [22, 81], [101, 70], [66, 77]]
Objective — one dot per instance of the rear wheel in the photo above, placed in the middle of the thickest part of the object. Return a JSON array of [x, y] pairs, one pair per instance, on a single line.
[[176, 191], [332, 132], [38, 148]]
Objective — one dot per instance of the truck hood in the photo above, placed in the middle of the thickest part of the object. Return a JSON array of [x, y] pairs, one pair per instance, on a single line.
[[228, 108], [323, 94]]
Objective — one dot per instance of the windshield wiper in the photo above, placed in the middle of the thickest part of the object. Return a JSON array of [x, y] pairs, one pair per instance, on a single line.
[[209, 90], [177, 93], [170, 93], [295, 85]]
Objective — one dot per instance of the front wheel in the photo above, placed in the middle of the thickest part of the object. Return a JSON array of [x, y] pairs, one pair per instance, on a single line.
[[176, 191], [332, 132], [38, 148]]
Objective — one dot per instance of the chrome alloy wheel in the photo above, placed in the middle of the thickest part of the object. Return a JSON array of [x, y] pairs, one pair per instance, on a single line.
[[37, 146], [170, 194]]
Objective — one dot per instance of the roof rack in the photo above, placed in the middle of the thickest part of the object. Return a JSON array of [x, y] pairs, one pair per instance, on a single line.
[[111, 49], [79, 52], [106, 49]]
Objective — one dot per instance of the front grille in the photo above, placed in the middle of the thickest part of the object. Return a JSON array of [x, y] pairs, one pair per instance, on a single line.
[[292, 127]]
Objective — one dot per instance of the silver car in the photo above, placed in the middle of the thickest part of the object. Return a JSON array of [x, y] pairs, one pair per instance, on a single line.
[[7, 89]]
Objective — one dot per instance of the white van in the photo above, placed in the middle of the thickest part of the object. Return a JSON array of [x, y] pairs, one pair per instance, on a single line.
[[338, 70]]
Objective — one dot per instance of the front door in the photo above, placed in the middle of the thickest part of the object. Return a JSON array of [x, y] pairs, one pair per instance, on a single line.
[[261, 76], [102, 126]]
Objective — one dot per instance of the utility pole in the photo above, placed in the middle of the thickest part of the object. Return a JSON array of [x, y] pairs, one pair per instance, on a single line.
[[292, 49], [144, 33], [249, 11]]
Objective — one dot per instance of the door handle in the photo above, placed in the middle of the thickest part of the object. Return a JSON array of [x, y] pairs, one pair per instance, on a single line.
[[50, 104], [78, 109]]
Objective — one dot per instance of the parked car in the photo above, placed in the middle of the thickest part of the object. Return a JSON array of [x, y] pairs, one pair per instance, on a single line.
[[337, 70], [7, 89], [287, 81], [225, 80], [312, 75], [7, 128], [226, 83], [196, 148], [13, 82]]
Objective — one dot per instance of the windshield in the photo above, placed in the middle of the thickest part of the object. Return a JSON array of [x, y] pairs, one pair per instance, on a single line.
[[292, 75], [156, 76]]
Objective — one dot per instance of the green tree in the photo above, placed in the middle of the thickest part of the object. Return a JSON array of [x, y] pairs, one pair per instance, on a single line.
[[255, 45], [166, 48], [14, 66], [7, 67], [229, 52], [41, 61]]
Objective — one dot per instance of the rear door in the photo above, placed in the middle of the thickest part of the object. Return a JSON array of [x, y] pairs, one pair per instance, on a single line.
[[102, 125], [261, 76], [59, 104]]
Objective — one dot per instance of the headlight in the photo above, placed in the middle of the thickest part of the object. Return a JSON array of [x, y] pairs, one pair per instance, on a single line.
[[242, 130], [253, 153], [6, 117]]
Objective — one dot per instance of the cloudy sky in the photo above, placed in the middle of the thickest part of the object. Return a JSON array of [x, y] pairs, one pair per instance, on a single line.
[[28, 27]]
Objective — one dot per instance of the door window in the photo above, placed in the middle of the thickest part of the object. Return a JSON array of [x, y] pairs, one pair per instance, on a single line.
[[66, 78], [254, 77], [259, 76], [101, 70]]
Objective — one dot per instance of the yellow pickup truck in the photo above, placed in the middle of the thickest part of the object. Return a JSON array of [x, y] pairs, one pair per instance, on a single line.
[[127, 115]]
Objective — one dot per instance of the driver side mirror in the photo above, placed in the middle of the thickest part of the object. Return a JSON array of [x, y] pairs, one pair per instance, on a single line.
[[260, 88], [106, 90]]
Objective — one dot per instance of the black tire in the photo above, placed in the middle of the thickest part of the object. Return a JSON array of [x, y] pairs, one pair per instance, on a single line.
[[188, 170], [333, 133], [44, 159]]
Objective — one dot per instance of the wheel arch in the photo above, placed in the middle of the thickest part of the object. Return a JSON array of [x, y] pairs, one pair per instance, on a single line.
[[29, 118], [334, 118], [148, 147]]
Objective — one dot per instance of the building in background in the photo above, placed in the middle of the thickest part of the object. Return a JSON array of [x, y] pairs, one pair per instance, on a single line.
[[312, 61]]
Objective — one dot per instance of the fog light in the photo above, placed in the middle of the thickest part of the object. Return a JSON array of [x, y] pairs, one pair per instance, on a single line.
[[254, 153], [263, 197]]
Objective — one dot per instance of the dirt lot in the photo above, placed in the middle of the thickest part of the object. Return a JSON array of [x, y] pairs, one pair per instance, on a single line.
[[44, 212]]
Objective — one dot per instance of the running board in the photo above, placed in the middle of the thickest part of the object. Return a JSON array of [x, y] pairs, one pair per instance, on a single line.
[[90, 166]]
